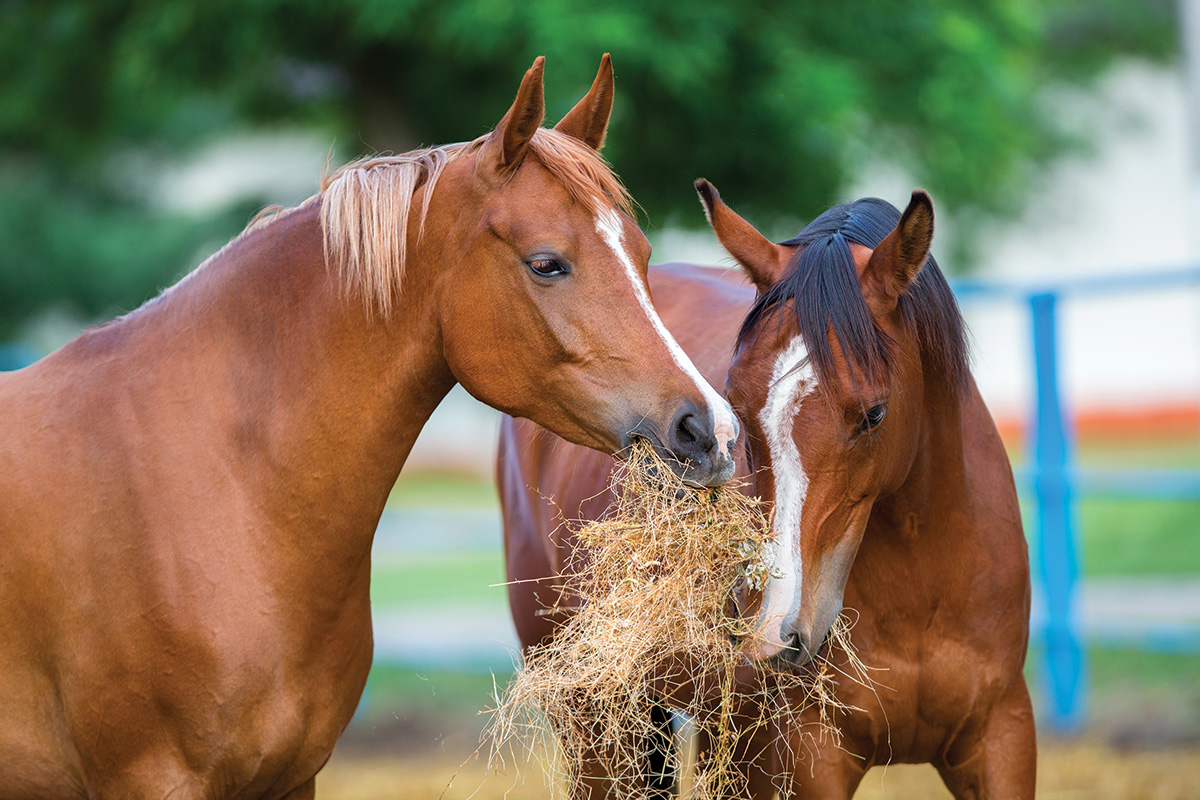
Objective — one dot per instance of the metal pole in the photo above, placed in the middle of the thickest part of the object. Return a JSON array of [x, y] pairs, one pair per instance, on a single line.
[[1189, 29], [1057, 548]]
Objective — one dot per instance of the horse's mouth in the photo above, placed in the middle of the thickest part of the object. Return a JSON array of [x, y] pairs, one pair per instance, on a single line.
[[691, 473], [652, 466], [796, 658]]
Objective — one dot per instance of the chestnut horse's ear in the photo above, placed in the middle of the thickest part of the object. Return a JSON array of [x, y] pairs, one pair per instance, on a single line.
[[588, 120], [894, 264], [765, 261], [506, 146]]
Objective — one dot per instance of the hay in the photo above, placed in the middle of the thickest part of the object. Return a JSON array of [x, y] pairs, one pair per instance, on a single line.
[[654, 582]]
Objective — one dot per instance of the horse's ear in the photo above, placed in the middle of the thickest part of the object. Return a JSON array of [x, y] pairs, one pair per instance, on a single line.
[[765, 261], [506, 146], [588, 120], [894, 264]]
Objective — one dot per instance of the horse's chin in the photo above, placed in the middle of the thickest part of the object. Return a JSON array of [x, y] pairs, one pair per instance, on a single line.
[[758, 649], [783, 657], [798, 659]]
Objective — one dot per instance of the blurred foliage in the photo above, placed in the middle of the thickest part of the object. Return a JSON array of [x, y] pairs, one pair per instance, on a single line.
[[778, 103]]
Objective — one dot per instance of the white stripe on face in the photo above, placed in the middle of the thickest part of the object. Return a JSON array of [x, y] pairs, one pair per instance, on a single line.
[[610, 226], [792, 380]]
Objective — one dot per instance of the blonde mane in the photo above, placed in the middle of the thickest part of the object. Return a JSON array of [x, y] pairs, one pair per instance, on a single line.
[[365, 205]]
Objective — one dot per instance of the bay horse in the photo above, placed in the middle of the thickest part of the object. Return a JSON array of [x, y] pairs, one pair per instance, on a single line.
[[188, 494], [891, 493]]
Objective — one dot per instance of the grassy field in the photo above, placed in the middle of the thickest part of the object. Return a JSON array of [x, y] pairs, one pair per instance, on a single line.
[[431, 578], [1132, 537], [1128, 536], [1085, 771], [1143, 735], [443, 490], [423, 726]]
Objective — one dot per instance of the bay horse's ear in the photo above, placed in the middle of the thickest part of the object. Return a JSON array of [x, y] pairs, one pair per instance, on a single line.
[[894, 264], [506, 146], [588, 120], [765, 261]]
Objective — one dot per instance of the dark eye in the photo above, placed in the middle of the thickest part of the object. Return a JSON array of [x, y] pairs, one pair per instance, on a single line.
[[872, 418], [547, 267]]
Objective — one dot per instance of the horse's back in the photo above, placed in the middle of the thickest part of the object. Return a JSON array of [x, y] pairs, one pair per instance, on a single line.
[[703, 307], [545, 481]]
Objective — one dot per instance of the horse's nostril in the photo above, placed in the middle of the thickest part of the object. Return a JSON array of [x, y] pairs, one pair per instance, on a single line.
[[686, 432], [797, 649], [692, 445]]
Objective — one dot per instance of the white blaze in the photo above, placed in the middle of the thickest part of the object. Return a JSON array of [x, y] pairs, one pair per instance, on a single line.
[[610, 226], [792, 380]]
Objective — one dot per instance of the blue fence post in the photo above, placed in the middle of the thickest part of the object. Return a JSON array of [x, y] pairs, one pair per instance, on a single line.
[[1057, 548]]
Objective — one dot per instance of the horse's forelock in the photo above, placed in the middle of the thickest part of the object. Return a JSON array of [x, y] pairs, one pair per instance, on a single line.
[[582, 171], [822, 285], [365, 205]]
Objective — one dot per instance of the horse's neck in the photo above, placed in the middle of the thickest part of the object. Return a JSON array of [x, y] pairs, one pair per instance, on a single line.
[[323, 401], [934, 488]]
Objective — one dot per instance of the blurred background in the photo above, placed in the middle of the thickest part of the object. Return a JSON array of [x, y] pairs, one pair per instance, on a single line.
[[1059, 139]]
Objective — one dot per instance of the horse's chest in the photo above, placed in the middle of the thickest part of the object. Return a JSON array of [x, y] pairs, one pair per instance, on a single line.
[[924, 696], [237, 709]]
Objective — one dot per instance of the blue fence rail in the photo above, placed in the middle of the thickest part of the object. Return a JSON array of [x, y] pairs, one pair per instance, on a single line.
[[1056, 481]]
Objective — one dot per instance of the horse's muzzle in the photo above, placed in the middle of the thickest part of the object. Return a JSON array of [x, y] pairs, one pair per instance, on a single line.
[[704, 452], [804, 644]]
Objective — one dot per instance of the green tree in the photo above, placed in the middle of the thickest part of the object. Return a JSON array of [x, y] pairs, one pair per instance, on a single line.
[[778, 103]]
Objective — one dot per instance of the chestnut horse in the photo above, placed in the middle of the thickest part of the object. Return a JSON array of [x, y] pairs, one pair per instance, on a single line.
[[189, 493], [891, 491]]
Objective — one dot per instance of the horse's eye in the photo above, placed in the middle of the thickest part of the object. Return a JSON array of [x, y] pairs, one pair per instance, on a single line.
[[547, 267], [872, 418]]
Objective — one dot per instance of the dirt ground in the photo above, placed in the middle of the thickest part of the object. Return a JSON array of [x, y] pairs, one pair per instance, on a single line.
[[1079, 771]]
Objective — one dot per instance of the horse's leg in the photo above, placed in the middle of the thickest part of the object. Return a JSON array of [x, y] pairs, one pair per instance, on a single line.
[[176, 786], [816, 771], [662, 764], [596, 779], [304, 791], [1002, 762], [754, 760], [163, 777], [654, 776]]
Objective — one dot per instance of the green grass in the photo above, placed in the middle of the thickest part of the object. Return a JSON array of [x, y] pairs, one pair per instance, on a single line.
[[1182, 453], [1139, 537], [1131, 537], [1111, 669], [1128, 536], [1134, 696], [462, 694], [438, 577], [443, 490]]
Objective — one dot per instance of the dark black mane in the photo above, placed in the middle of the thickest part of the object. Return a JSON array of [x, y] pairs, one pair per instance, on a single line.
[[822, 284]]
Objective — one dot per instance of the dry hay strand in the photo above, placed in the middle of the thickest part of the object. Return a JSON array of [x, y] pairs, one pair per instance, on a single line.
[[653, 583]]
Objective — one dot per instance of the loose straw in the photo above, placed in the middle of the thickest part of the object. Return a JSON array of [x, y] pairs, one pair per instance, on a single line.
[[653, 581]]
